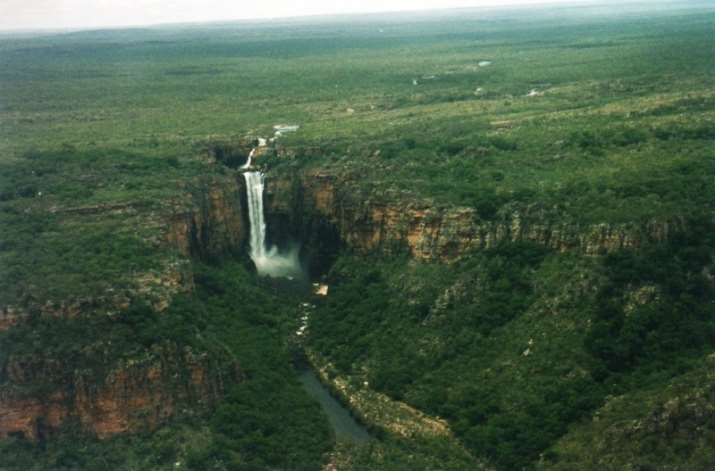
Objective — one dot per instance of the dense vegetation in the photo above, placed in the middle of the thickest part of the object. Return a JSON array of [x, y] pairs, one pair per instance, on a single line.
[[266, 421], [678, 317], [70, 221], [535, 358], [442, 338]]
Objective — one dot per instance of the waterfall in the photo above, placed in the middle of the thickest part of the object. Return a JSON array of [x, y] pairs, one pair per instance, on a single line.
[[255, 182], [268, 260], [249, 162]]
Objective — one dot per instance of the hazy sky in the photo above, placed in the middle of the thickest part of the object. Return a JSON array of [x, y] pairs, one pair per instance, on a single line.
[[35, 14]]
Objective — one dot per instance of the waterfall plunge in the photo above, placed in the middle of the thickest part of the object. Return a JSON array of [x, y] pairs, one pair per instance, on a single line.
[[268, 261]]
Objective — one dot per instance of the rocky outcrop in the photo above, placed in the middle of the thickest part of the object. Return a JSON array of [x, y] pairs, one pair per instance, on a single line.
[[133, 397], [10, 316], [389, 223], [159, 287]]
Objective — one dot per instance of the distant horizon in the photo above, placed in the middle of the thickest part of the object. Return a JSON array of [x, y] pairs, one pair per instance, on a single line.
[[17, 21]]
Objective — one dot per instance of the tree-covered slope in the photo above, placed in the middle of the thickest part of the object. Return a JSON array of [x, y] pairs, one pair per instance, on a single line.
[[516, 346], [564, 160]]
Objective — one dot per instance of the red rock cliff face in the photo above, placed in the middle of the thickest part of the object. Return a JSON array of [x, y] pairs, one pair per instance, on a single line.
[[388, 223], [133, 397]]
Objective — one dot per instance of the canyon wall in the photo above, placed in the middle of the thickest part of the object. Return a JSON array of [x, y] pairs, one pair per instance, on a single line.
[[136, 396], [388, 223], [38, 397], [322, 211], [212, 221]]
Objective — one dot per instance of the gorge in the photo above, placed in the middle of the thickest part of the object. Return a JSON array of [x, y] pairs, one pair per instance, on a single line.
[[271, 262], [190, 215]]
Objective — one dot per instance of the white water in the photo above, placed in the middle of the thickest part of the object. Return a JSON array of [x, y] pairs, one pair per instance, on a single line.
[[268, 261], [281, 129], [249, 162]]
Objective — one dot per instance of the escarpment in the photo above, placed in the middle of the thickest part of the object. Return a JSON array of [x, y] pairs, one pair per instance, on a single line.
[[324, 212], [388, 223], [44, 393], [211, 222], [36, 401]]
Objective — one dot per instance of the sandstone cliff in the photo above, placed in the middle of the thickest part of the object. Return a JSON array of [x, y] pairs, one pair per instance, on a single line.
[[389, 223], [133, 397], [211, 220]]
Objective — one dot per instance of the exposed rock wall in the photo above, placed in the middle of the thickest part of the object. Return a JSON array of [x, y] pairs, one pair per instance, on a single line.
[[213, 222], [429, 233], [133, 397]]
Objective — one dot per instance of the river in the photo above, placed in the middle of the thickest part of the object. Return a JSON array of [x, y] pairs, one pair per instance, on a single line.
[[346, 428]]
